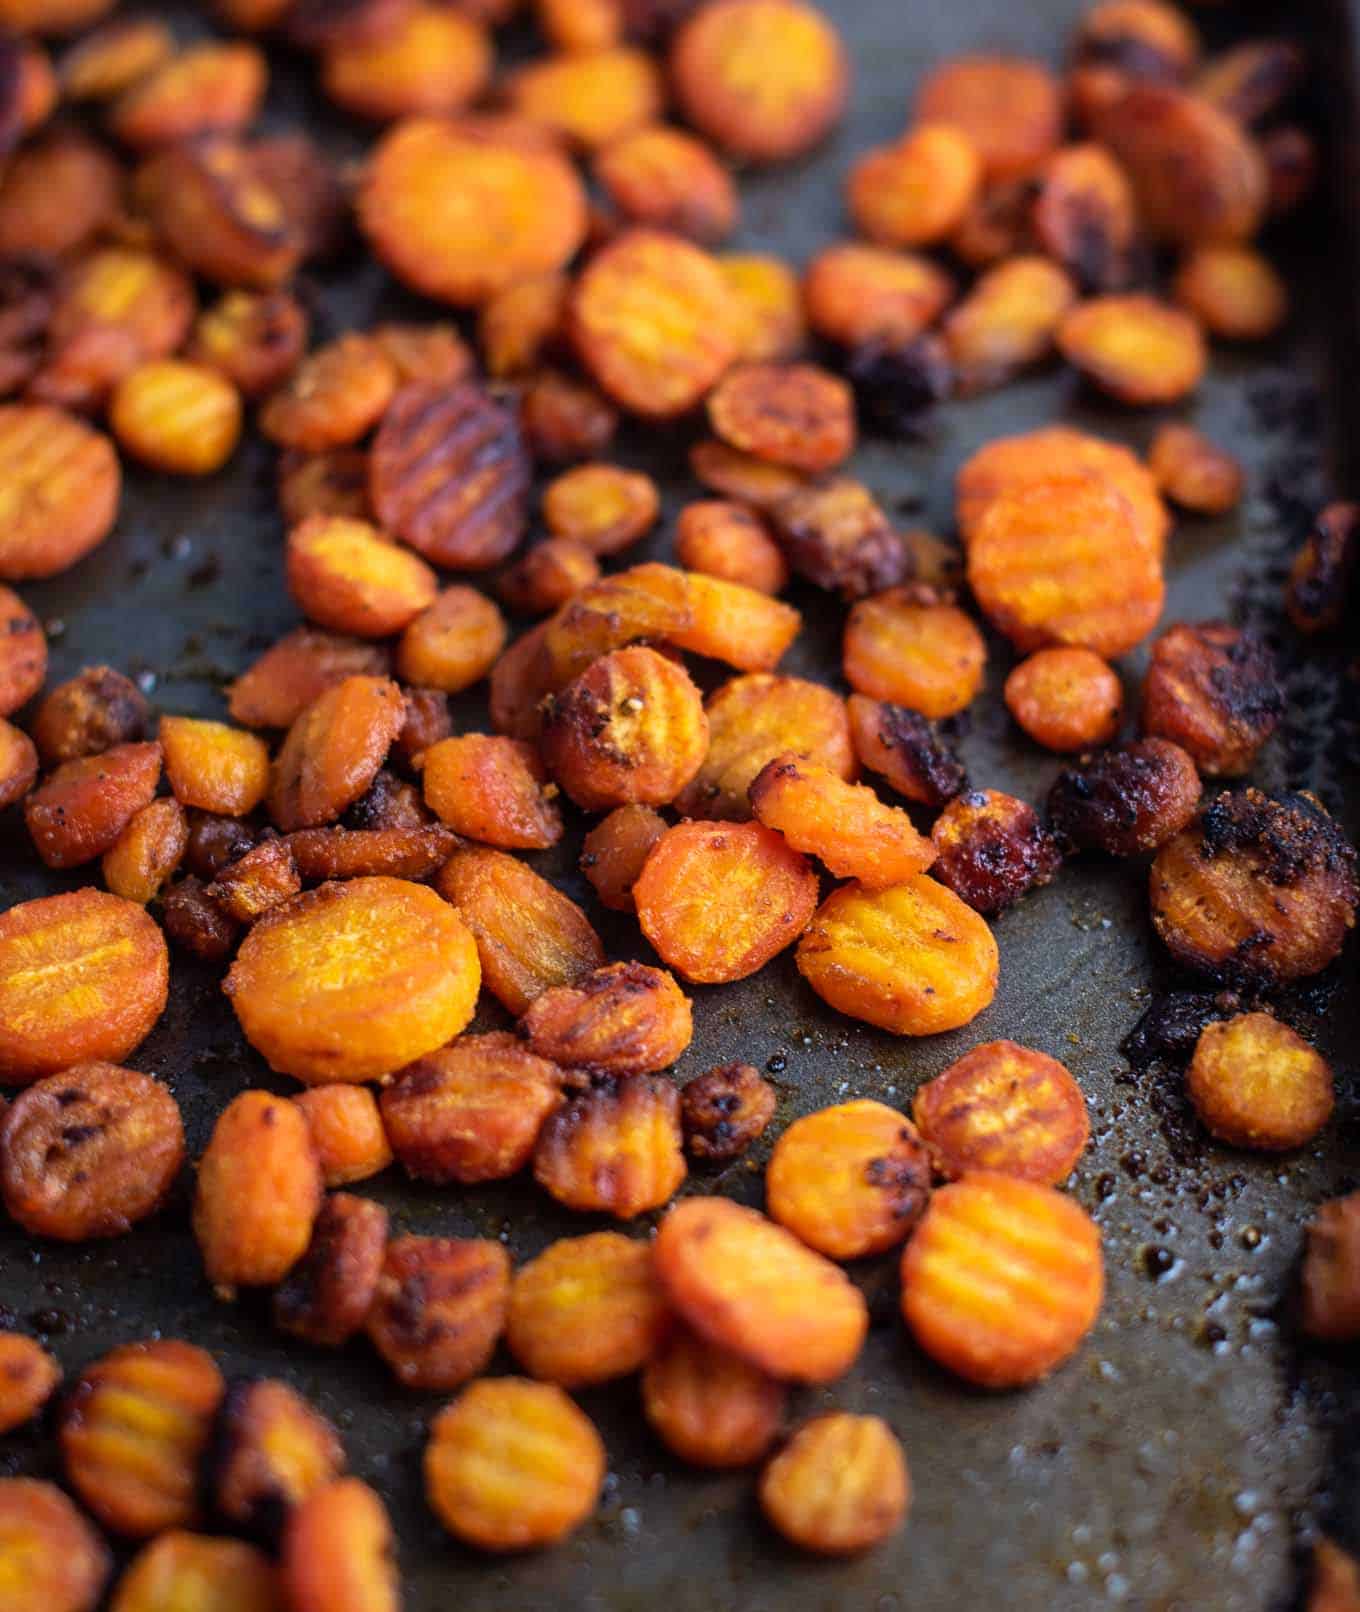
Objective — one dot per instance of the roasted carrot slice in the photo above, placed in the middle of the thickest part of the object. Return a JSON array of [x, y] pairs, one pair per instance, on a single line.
[[912, 959], [1002, 1280], [719, 900], [749, 1286], [354, 980], [1007, 1108]]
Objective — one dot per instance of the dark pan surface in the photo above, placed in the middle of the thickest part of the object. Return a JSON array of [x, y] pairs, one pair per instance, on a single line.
[[1177, 1462]]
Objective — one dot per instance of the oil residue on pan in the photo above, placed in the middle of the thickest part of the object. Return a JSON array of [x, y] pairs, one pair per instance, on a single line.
[[1197, 1440]]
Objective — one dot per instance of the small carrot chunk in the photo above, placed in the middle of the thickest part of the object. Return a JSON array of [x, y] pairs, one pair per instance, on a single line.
[[1085, 216], [644, 602], [591, 98], [271, 1450], [614, 851], [215, 87], [354, 980], [906, 749], [741, 476], [707, 1405], [601, 506], [1138, 349], [262, 879], [135, 1428], [1126, 800], [725, 1110], [179, 417], [333, 482], [54, 1560], [297, 670], [551, 573], [1060, 562], [630, 729], [912, 959], [1007, 322], [1215, 691], [493, 790], [114, 56], [80, 810], [89, 1152], [624, 1019], [254, 339], [838, 1486], [1005, 1108], [398, 853], [765, 80], [747, 1285], [857, 294], [1002, 1280], [258, 1192], [587, 1310], [1257, 1084], [453, 643], [333, 751], [117, 308], [23, 653], [616, 1149], [753, 719], [18, 766], [214, 767], [147, 853], [513, 1465], [439, 1309], [83, 977], [992, 850], [849, 1180], [529, 935], [326, 1297], [790, 414], [1193, 472], [666, 179], [1331, 1272], [433, 61], [1233, 291], [213, 1575], [61, 484], [844, 825], [916, 192], [927, 656], [1066, 699], [718, 901], [347, 1133], [333, 397], [519, 325], [654, 322], [768, 304], [718, 538], [195, 922], [346, 577], [837, 536], [566, 419], [1257, 890], [339, 1552], [470, 1111], [736, 624], [525, 213], [28, 1379], [1009, 108], [92, 712]]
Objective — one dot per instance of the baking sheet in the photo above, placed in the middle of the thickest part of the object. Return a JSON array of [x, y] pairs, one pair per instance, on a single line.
[[1178, 1460]]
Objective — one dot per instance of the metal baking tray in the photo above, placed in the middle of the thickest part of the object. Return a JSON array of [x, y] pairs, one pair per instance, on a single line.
[[1180, 1459]]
